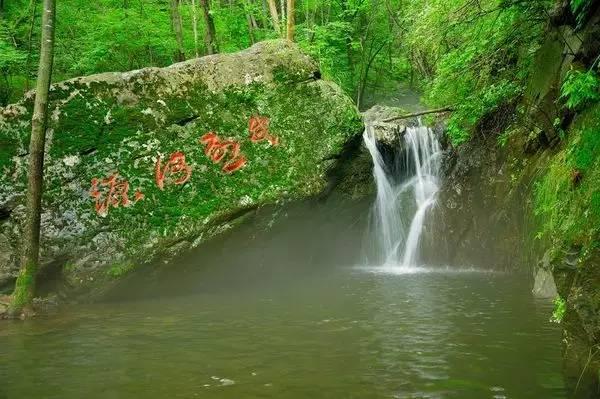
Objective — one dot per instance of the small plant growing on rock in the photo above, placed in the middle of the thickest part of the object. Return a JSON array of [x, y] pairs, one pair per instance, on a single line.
[[120, 269], [560, 307], [580, 89]]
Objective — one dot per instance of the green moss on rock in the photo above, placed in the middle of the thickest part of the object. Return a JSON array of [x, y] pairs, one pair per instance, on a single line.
[[121, 123]]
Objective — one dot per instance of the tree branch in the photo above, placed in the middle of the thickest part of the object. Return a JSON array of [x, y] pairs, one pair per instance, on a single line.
[[413, 115]]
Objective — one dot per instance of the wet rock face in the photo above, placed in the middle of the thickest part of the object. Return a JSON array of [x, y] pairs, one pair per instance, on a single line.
[[148, 163], [481, 210], [544, 285], [387, 133]]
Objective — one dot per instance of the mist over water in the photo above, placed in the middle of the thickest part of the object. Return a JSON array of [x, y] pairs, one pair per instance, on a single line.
[[284, 313], [405, 194]]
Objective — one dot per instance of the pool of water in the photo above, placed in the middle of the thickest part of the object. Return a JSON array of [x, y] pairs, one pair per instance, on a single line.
[[290, 313]]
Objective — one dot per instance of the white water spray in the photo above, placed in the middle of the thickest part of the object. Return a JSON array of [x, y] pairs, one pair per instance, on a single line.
[[407, 198]]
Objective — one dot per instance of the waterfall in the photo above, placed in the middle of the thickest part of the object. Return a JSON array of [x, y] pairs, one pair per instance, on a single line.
[[404, 194]]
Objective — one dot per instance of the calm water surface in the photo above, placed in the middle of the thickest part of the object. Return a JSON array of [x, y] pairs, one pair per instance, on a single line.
[[290, 314]]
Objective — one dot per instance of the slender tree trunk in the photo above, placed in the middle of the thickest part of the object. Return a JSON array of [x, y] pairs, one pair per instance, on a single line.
[[310, 23], [264, 15], [178, 29], [25, 286], [274, 16], [211, 36], [251, 23], [348, 40], [282, 7], [364, 76], [306, 13], [254, 21], [291, 19], [250, 29], [195, 27]]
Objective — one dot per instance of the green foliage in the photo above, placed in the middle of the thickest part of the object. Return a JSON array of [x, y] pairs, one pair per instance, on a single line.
[[580, 89], [357, 42], [478, 57], [560, 308], [111, 35], [567, 202], [476, 106], [12, 60], [505, 136]]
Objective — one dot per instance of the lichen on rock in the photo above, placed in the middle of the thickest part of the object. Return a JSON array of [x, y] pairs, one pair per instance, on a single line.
[[113, 137]]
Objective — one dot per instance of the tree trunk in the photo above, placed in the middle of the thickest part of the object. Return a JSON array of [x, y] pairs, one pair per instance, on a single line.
[[282, 8], [291, 20], [364, 75], [348, 40], [178, 29], [195, 27], [420, 113], [211, 37], [274, 16], [264, 15], [25, 286], [251, 23]]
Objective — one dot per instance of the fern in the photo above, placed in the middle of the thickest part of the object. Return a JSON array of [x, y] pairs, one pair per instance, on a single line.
[[580, 89]]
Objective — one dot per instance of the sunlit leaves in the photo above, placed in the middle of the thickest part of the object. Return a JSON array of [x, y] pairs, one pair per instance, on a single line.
[[580, 89], [481, 52]]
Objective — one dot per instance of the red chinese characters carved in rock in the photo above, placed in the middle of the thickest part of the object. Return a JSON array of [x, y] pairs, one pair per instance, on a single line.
[[176, 169], [111, 192], [258, 126], [218, 150]]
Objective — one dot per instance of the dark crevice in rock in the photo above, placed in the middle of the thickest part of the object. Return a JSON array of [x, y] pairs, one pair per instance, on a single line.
[[342, 168], [7, 286], [185, 121], [316, 75], [5, 213], [236, 214], [88, 151], [50, 277]]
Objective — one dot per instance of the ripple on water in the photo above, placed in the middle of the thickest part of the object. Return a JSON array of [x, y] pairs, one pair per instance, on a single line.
[[397, 269]]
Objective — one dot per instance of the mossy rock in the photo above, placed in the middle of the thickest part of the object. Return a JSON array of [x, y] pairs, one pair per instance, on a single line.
[[122, 125]]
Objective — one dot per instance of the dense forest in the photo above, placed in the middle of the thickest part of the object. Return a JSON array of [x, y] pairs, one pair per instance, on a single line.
[[471, 55]]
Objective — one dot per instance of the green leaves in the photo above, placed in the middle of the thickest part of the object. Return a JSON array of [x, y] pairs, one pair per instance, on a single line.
[[10, 58], [580, 9], [560, 308], [580, 89], [481, 57]]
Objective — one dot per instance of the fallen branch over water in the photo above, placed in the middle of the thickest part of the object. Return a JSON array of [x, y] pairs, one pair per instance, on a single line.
[[413, 115]]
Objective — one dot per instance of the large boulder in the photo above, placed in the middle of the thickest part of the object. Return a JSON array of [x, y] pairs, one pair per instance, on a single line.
[[146, 164]]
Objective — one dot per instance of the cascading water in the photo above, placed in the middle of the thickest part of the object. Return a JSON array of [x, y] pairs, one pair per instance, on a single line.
[[404, 193]]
